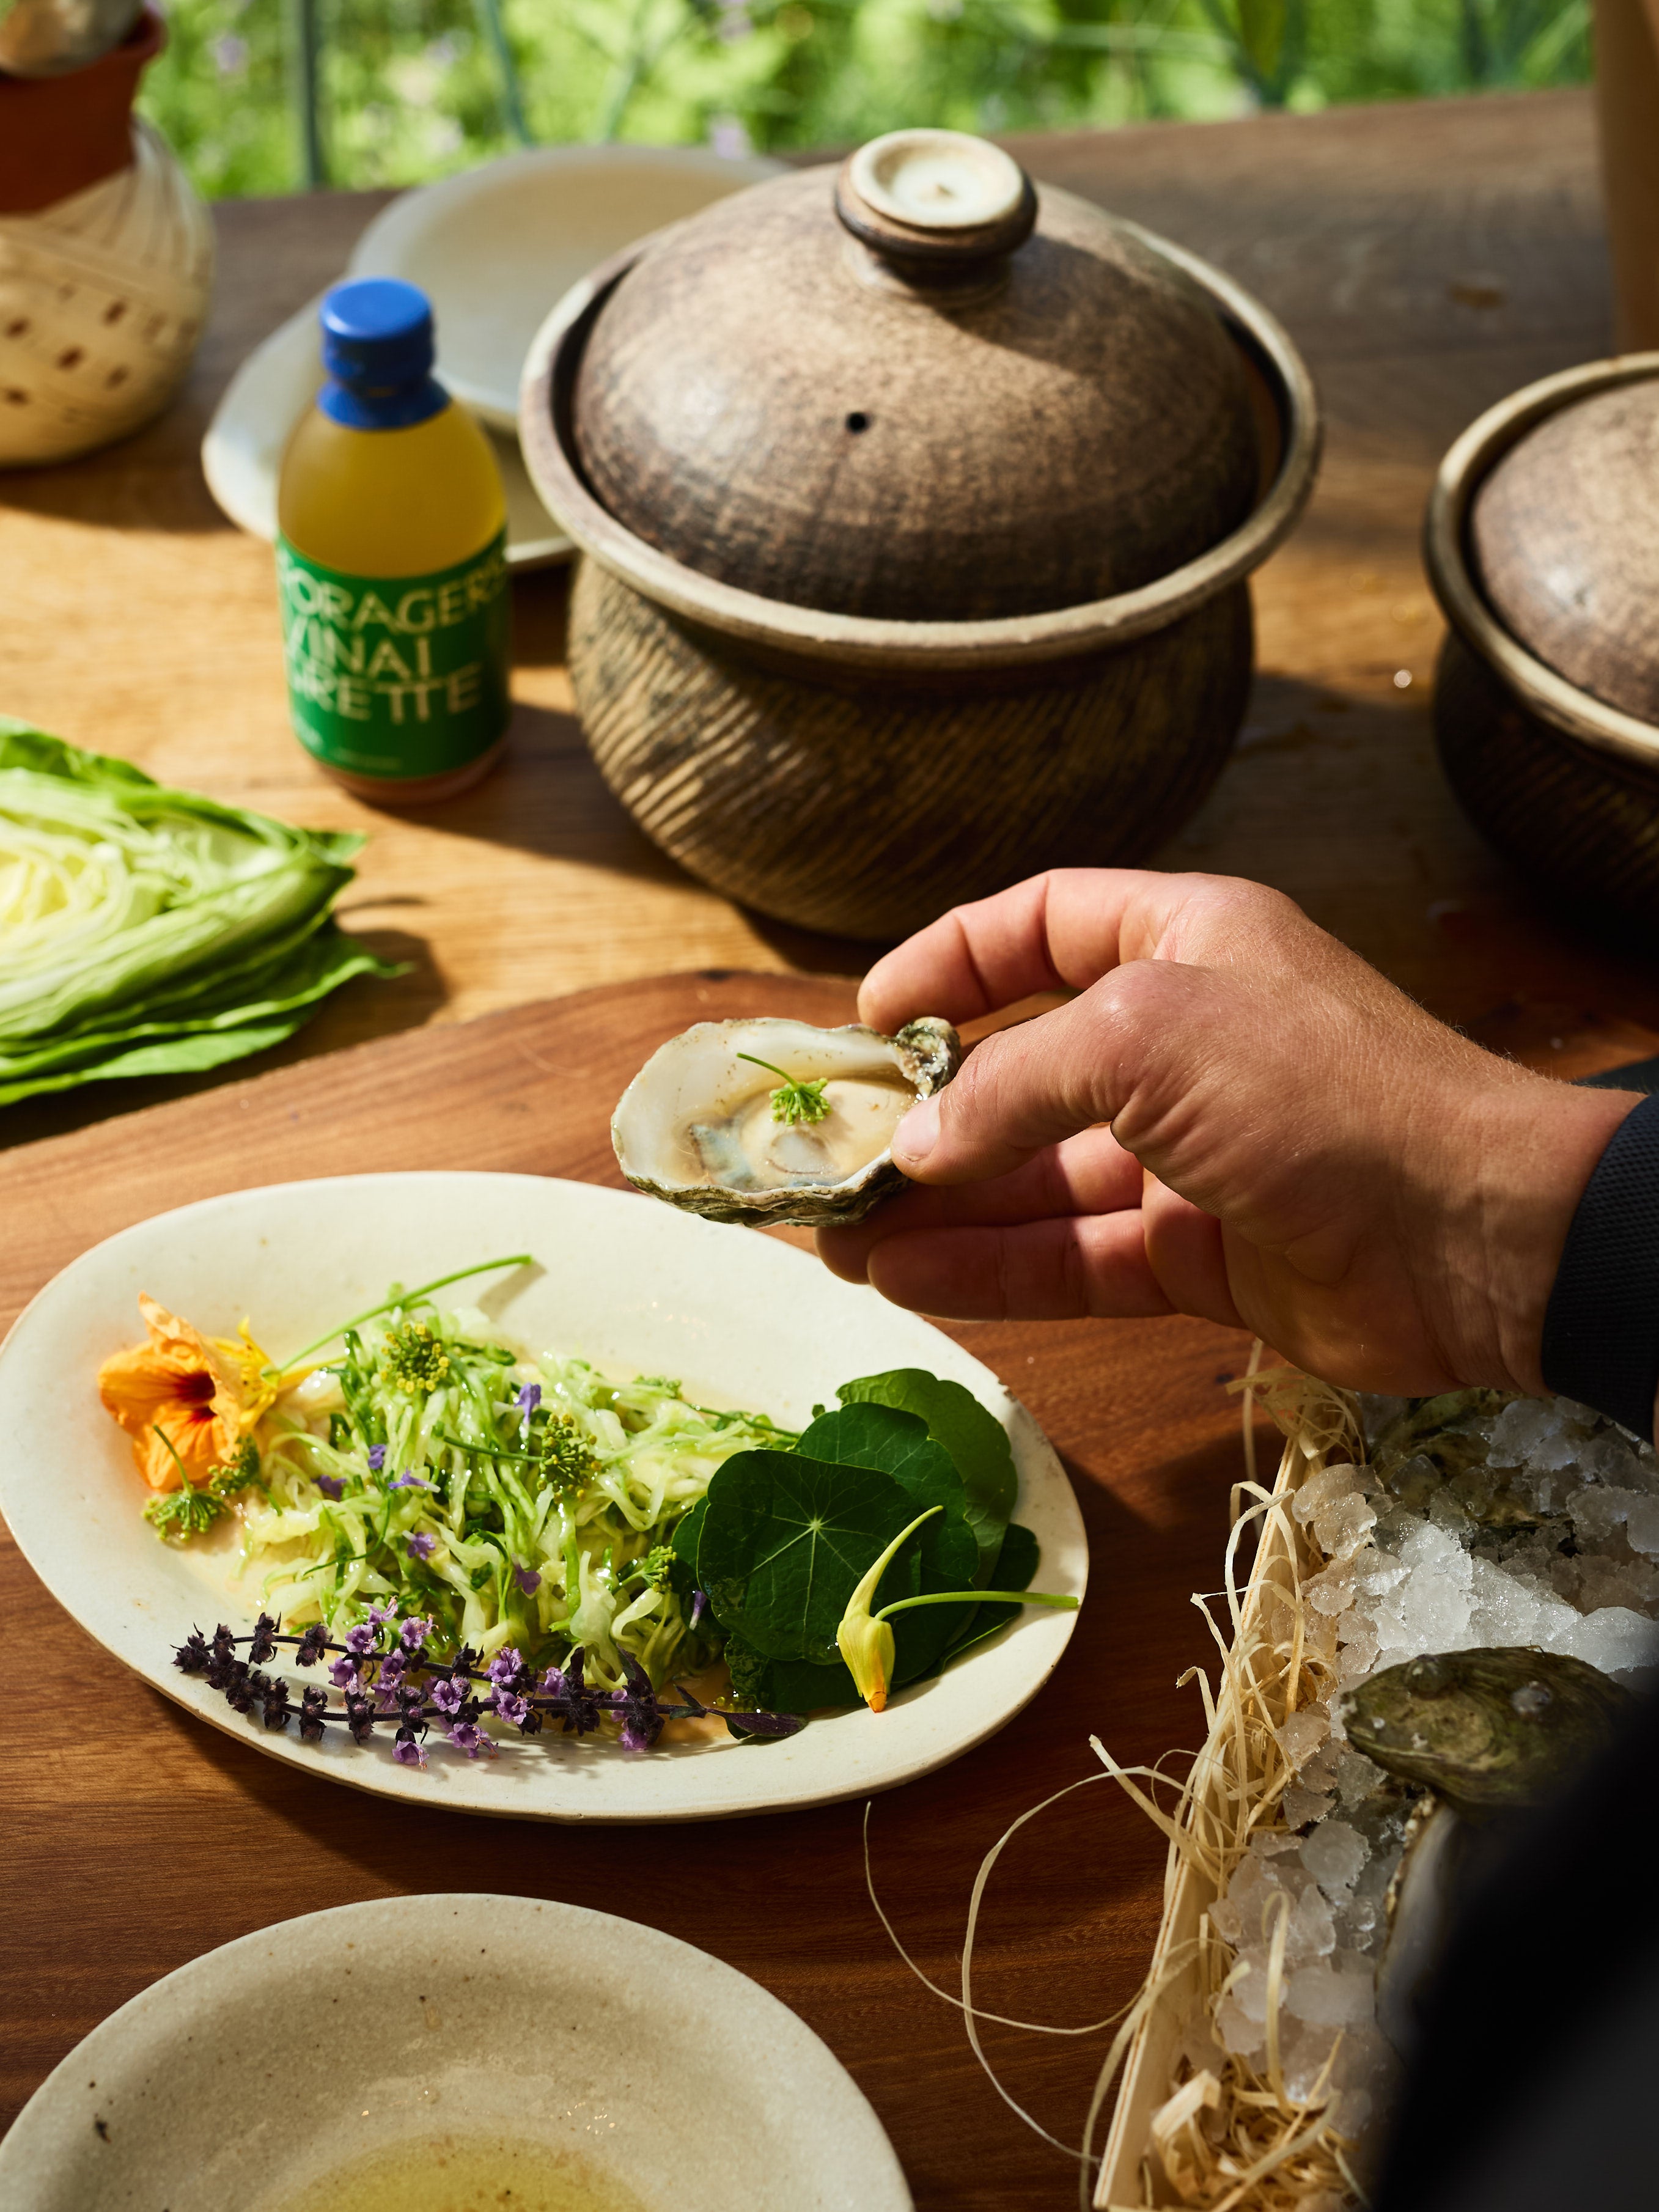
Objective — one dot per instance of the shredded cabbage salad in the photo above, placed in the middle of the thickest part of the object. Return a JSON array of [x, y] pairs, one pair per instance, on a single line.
[[433, 1466]]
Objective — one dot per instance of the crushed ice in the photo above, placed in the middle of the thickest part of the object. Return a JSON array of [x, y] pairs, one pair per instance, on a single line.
[[1576, 1569]]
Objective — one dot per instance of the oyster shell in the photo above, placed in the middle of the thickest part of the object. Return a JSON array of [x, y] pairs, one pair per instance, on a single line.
[[1486, 1730], [697, 1125]]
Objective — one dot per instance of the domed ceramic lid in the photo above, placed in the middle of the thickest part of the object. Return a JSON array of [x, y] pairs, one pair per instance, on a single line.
[[1566, 538], [916, 389]]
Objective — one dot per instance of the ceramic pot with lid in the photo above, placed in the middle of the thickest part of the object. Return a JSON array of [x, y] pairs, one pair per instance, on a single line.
[[917, 505], [1542, 544]]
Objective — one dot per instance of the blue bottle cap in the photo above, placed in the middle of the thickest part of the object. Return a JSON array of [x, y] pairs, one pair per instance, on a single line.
[[378, 351]]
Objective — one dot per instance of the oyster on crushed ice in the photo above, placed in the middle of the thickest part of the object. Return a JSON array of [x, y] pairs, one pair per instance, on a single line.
[[1486, 1730], [696, 1126]]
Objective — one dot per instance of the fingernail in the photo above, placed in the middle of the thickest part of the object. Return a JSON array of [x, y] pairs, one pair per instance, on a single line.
[[917, 1133]]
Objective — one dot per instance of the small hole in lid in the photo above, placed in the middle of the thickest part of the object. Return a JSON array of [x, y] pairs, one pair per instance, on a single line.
[[858, 420]]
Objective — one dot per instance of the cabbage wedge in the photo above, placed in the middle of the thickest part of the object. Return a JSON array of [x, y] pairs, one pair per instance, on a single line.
[[150, 931]]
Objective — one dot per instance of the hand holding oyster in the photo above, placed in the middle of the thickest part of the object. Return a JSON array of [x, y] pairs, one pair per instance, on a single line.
[[700, 1124]]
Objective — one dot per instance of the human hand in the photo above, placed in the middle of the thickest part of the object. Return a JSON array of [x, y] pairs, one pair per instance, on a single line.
[[1294, 1146]]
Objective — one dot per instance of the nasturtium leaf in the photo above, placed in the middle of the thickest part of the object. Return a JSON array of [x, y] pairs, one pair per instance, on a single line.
[[785, 1539], [787, 1685], [896, 1442], [798, 1686], [1015, 1570], [871, 1435], [975, 1440], [687, 1531]]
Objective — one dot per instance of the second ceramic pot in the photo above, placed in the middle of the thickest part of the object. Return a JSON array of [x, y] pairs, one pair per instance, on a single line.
[[1541, 548], [916, 509]]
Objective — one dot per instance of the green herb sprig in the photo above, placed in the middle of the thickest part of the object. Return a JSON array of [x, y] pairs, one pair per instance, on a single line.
[[794, 1102]]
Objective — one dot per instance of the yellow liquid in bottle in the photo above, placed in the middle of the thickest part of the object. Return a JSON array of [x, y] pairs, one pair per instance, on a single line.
[[373, 506], [389, 502]]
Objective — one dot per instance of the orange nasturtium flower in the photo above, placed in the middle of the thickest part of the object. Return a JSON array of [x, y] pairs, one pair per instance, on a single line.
[[179, 1386]]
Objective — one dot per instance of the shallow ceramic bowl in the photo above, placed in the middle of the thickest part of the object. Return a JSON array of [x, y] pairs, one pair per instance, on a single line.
[[411, 2017], [635, 1286], [1564, 784]]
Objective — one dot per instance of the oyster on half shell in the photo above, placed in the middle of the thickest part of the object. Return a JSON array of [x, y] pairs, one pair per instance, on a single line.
[[697, 1126]]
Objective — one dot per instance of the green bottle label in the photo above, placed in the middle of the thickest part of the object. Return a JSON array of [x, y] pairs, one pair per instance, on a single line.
[[401, 676]]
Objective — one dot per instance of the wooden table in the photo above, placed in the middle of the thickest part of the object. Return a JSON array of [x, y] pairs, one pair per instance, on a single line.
[[1428, 260]]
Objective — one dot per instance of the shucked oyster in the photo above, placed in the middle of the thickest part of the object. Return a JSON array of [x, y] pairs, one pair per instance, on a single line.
[[1486, 1730], [769, 1121]]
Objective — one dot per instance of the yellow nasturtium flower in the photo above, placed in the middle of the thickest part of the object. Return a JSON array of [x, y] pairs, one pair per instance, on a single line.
[[866, 1641]]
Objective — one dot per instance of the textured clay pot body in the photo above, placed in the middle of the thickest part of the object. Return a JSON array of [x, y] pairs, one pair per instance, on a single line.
[[1540, 530], [1583, 822], [917, 795], [831, 652]]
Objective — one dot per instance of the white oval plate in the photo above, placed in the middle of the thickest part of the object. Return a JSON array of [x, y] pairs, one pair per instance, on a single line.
[[629, 1284], [242, 452], [403, 2019], [495, 247]]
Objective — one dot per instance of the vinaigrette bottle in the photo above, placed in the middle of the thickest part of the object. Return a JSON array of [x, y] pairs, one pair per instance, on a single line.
[[391, 562]]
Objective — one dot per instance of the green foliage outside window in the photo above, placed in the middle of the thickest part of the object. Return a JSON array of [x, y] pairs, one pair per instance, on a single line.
[[410, 90]]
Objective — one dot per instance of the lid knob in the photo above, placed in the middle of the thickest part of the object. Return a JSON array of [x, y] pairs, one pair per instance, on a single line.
[[940, 210]]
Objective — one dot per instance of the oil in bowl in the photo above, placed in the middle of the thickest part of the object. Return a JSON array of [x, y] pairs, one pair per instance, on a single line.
[[458, 2173]]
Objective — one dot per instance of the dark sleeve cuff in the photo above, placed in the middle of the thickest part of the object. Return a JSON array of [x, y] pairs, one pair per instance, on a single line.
[[1601, 1325]]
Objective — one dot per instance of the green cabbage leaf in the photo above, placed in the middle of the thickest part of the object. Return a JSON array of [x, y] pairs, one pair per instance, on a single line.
[[148, 932]]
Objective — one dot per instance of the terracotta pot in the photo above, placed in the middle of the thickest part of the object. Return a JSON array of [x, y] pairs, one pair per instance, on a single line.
[[60, 134], [914, 563], [1539, 536]]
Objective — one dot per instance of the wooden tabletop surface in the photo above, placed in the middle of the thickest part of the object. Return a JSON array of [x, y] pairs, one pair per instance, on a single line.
[[1428, 260]]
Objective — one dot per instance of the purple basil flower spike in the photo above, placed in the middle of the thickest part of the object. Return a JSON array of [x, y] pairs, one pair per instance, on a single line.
[[343, 1673], [699, 1605], [192, 1654], [470, 1740], [380, 1615], [331, 1485], [506, 1666], [515, 1710], [641, 1715], [408, 1751], [312, 1644], [449, 1696], [360, 1640], [376, 1458], [421, 1546], [526, 1577], [409, 1481], [413, 1635]]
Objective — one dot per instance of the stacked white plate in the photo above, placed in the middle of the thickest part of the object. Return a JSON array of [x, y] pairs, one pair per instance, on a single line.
[[493, 249]]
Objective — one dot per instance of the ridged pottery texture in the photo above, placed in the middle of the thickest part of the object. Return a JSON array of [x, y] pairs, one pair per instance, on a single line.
[[866, 806], [1538, 543], [1580, 820]]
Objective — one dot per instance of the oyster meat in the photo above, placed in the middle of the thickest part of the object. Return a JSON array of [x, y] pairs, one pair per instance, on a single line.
[[715, 1121]]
